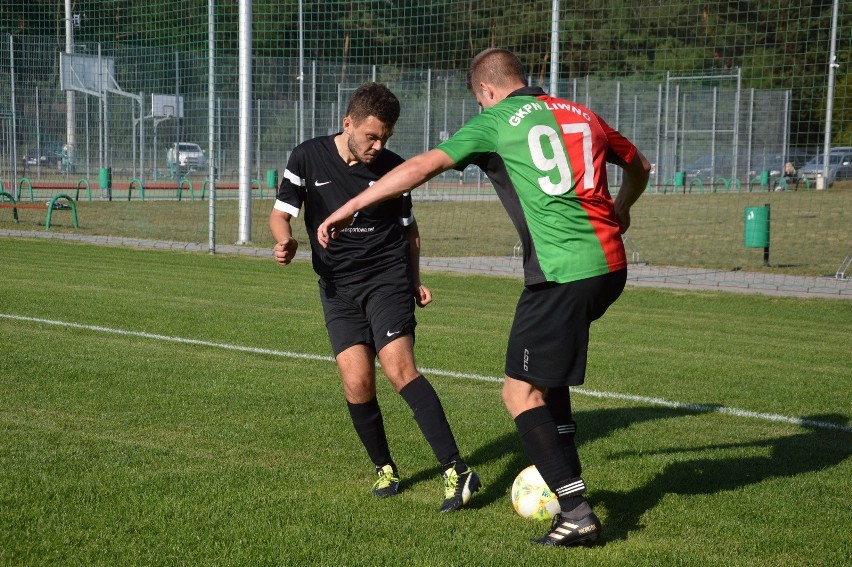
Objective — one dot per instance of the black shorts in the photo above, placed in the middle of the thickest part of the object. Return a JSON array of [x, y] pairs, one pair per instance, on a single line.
[[372, 313], [549, 340]]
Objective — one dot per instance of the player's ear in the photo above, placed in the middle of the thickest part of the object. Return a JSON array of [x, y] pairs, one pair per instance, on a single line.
[[347, 123], [487, 96]]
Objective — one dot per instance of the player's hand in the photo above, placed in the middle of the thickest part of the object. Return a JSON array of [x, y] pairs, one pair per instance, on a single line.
[[331, 227], [423, 296], [285, 251]]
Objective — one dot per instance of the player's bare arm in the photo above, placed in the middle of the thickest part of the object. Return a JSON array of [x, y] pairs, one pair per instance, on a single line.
[[401, 179], [285, 245], [633, 185], [422, 294]]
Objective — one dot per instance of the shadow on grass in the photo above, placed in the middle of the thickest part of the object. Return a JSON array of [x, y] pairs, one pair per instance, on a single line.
[[812, 450], [593, 424], [493, 488]]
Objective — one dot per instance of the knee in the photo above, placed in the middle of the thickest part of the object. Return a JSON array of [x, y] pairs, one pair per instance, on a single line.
[[359, 390], [519, 397], [401, 377], [397, 360], [511, 401], [507, 398]]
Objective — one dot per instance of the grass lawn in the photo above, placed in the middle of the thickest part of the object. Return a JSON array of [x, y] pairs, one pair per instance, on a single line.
[[809, 230], [163, 408]]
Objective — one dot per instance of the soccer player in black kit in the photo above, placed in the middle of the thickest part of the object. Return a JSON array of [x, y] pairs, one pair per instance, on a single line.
[[369, 281]]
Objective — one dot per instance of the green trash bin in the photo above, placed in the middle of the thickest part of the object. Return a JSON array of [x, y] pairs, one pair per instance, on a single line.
[[105, 182], [679, 179], [272, 179], [756, 233], [764, 179]]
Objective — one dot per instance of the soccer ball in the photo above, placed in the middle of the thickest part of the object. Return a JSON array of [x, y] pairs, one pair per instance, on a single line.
[[531, 497]]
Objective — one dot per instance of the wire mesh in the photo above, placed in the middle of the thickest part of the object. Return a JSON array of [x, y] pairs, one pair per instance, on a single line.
[[719, 96]]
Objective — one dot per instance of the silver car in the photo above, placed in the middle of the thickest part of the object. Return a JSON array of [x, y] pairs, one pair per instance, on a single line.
[[188, 157], [839, 165]]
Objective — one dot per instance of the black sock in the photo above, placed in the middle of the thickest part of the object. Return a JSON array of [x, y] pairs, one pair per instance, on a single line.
[[430, 417], [558, 401], [370, 427], [540, 440]]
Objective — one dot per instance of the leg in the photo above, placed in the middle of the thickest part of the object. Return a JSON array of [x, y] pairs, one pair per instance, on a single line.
[[540, 439], [351, 339], [357, 371], [542, 351], [397, 358], [390, 310], [558, 401], [460, 482], [389, 307], [577, 523], [519, 396], [547, 352]]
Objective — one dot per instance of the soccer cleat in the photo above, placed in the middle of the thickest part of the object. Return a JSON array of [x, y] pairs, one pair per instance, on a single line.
[[565, 532], [458, 488], [388, 482]]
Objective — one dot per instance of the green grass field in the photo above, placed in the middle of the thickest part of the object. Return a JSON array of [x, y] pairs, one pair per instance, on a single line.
[[810, 232], [162, 408]]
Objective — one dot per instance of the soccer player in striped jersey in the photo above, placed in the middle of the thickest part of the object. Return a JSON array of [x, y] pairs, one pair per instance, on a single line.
[[546, 158]]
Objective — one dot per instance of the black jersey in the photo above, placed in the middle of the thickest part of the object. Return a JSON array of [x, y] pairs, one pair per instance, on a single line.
[[318, 178]]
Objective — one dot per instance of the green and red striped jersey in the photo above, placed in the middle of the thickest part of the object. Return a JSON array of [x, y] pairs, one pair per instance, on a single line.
[[546, 158]]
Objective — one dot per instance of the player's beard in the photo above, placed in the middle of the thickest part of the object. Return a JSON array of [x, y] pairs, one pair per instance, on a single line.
[[361, 156]]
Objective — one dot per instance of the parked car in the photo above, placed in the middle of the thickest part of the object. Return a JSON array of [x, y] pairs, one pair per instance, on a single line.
[[839, 165], [49, 155], [34, 157], [775, 163], [188, 157], [708, 169]]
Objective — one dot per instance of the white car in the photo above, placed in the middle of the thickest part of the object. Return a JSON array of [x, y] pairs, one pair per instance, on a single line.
[[189, 156]]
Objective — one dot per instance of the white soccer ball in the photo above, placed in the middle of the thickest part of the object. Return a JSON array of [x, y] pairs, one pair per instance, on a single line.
[[531, 497]]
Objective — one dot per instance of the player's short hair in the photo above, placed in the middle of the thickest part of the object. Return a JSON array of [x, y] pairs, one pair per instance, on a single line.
[[373, 99], [496, 66]]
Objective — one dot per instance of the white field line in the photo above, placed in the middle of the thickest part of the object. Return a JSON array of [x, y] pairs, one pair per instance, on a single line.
[[438, 372]]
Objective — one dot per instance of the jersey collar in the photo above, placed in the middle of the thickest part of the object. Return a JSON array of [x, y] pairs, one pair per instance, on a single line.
[[528, 91]]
